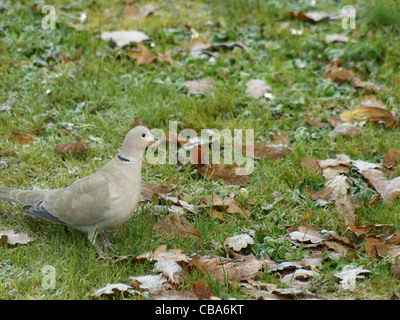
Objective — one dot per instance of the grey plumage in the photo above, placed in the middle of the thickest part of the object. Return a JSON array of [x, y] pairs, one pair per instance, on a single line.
[[103, 200]]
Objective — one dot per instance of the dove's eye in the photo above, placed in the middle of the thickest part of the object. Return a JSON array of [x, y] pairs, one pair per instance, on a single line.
[[143, 135]]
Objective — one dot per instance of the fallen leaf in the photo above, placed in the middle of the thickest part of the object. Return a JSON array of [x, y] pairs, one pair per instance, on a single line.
[[334, 188], [367, 85], [349, 275], [375, 246], [345, 129], [72, 147], [315, 16], [11, 237], [201, 290], [228, 203], [362, 231], [170, 269], [176, 226], [199, 47], [388, 189], [161, 253], [112, 289], [143, 55], [238, 242], [151, 283], [201, 87], [311, 164], [336, 38], [124, 38], [367, 114], [148, 191], [228, 269], [340, 75], [391, 159], [345, 206], [232, 175], [132, 13], [314, 123], [372, 101], [174, 295], [257, 88], [21, 139]]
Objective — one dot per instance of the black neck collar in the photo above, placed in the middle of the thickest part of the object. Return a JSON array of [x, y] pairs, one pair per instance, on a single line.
[[124, 159]]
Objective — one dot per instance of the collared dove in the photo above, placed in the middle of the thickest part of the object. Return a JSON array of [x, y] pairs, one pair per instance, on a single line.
[[98, 202]]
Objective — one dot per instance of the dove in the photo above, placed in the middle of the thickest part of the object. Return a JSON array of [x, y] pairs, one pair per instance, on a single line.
[[100, 201]]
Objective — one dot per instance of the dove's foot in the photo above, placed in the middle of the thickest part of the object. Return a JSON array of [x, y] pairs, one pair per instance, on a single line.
[[107, 243]]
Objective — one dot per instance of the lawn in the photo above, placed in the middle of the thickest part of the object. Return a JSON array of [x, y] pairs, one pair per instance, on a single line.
[[68, 85]]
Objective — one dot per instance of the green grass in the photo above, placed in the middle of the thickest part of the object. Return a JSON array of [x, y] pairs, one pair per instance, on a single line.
[[104, 91]]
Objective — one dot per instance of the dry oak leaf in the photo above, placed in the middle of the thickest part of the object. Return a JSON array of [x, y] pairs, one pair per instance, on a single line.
[[228, 203], [21, 139], [11, 237], [143, 55], [112, 289], [345, 129], [391, 159], [388, 189], [256, 88], [73, 147], [123, 38], [335, 187], [368, 85], [174, 295], [161, 253], [170, 269], [227, 268], [148, 191], [133, 13], [198, 47], [176, 226], [151, 283], [232, 175], [201, 290], [238, 242], [340, 75], [314, 123], [315, 16], [362, 231], [200, 87], [367, 114]]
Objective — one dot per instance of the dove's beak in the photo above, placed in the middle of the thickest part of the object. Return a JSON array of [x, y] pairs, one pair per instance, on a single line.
[[153, 141]]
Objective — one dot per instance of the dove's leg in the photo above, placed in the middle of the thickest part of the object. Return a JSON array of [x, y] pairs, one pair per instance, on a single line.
[[107, 242], [92, 237]]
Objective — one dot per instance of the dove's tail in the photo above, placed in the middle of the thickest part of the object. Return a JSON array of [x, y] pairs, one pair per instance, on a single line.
[[28, 197]]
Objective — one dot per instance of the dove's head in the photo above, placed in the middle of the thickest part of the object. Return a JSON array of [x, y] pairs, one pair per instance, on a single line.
[[136, 142]]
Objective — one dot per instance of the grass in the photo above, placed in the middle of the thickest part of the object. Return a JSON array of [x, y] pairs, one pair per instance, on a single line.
[[104, 91]]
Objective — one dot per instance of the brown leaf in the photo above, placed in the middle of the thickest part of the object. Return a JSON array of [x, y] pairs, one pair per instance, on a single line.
[[133, 13], [228, 203], [21, 139], [174, 295], [334, 121], [311, 164], [340, 75], [367, 85], [256, 88], [391, 159], [11, 237], [143, 56], [345, 129], [314, 123], [201, 87], [161, 253], [201, 290], [367, 114], [73, 147], [238, 242], [176, 226], [314, 16], [362, 231], [232, 175], [198, 47], [388, 189], [345, 206], [375, 247], [148, 191]]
